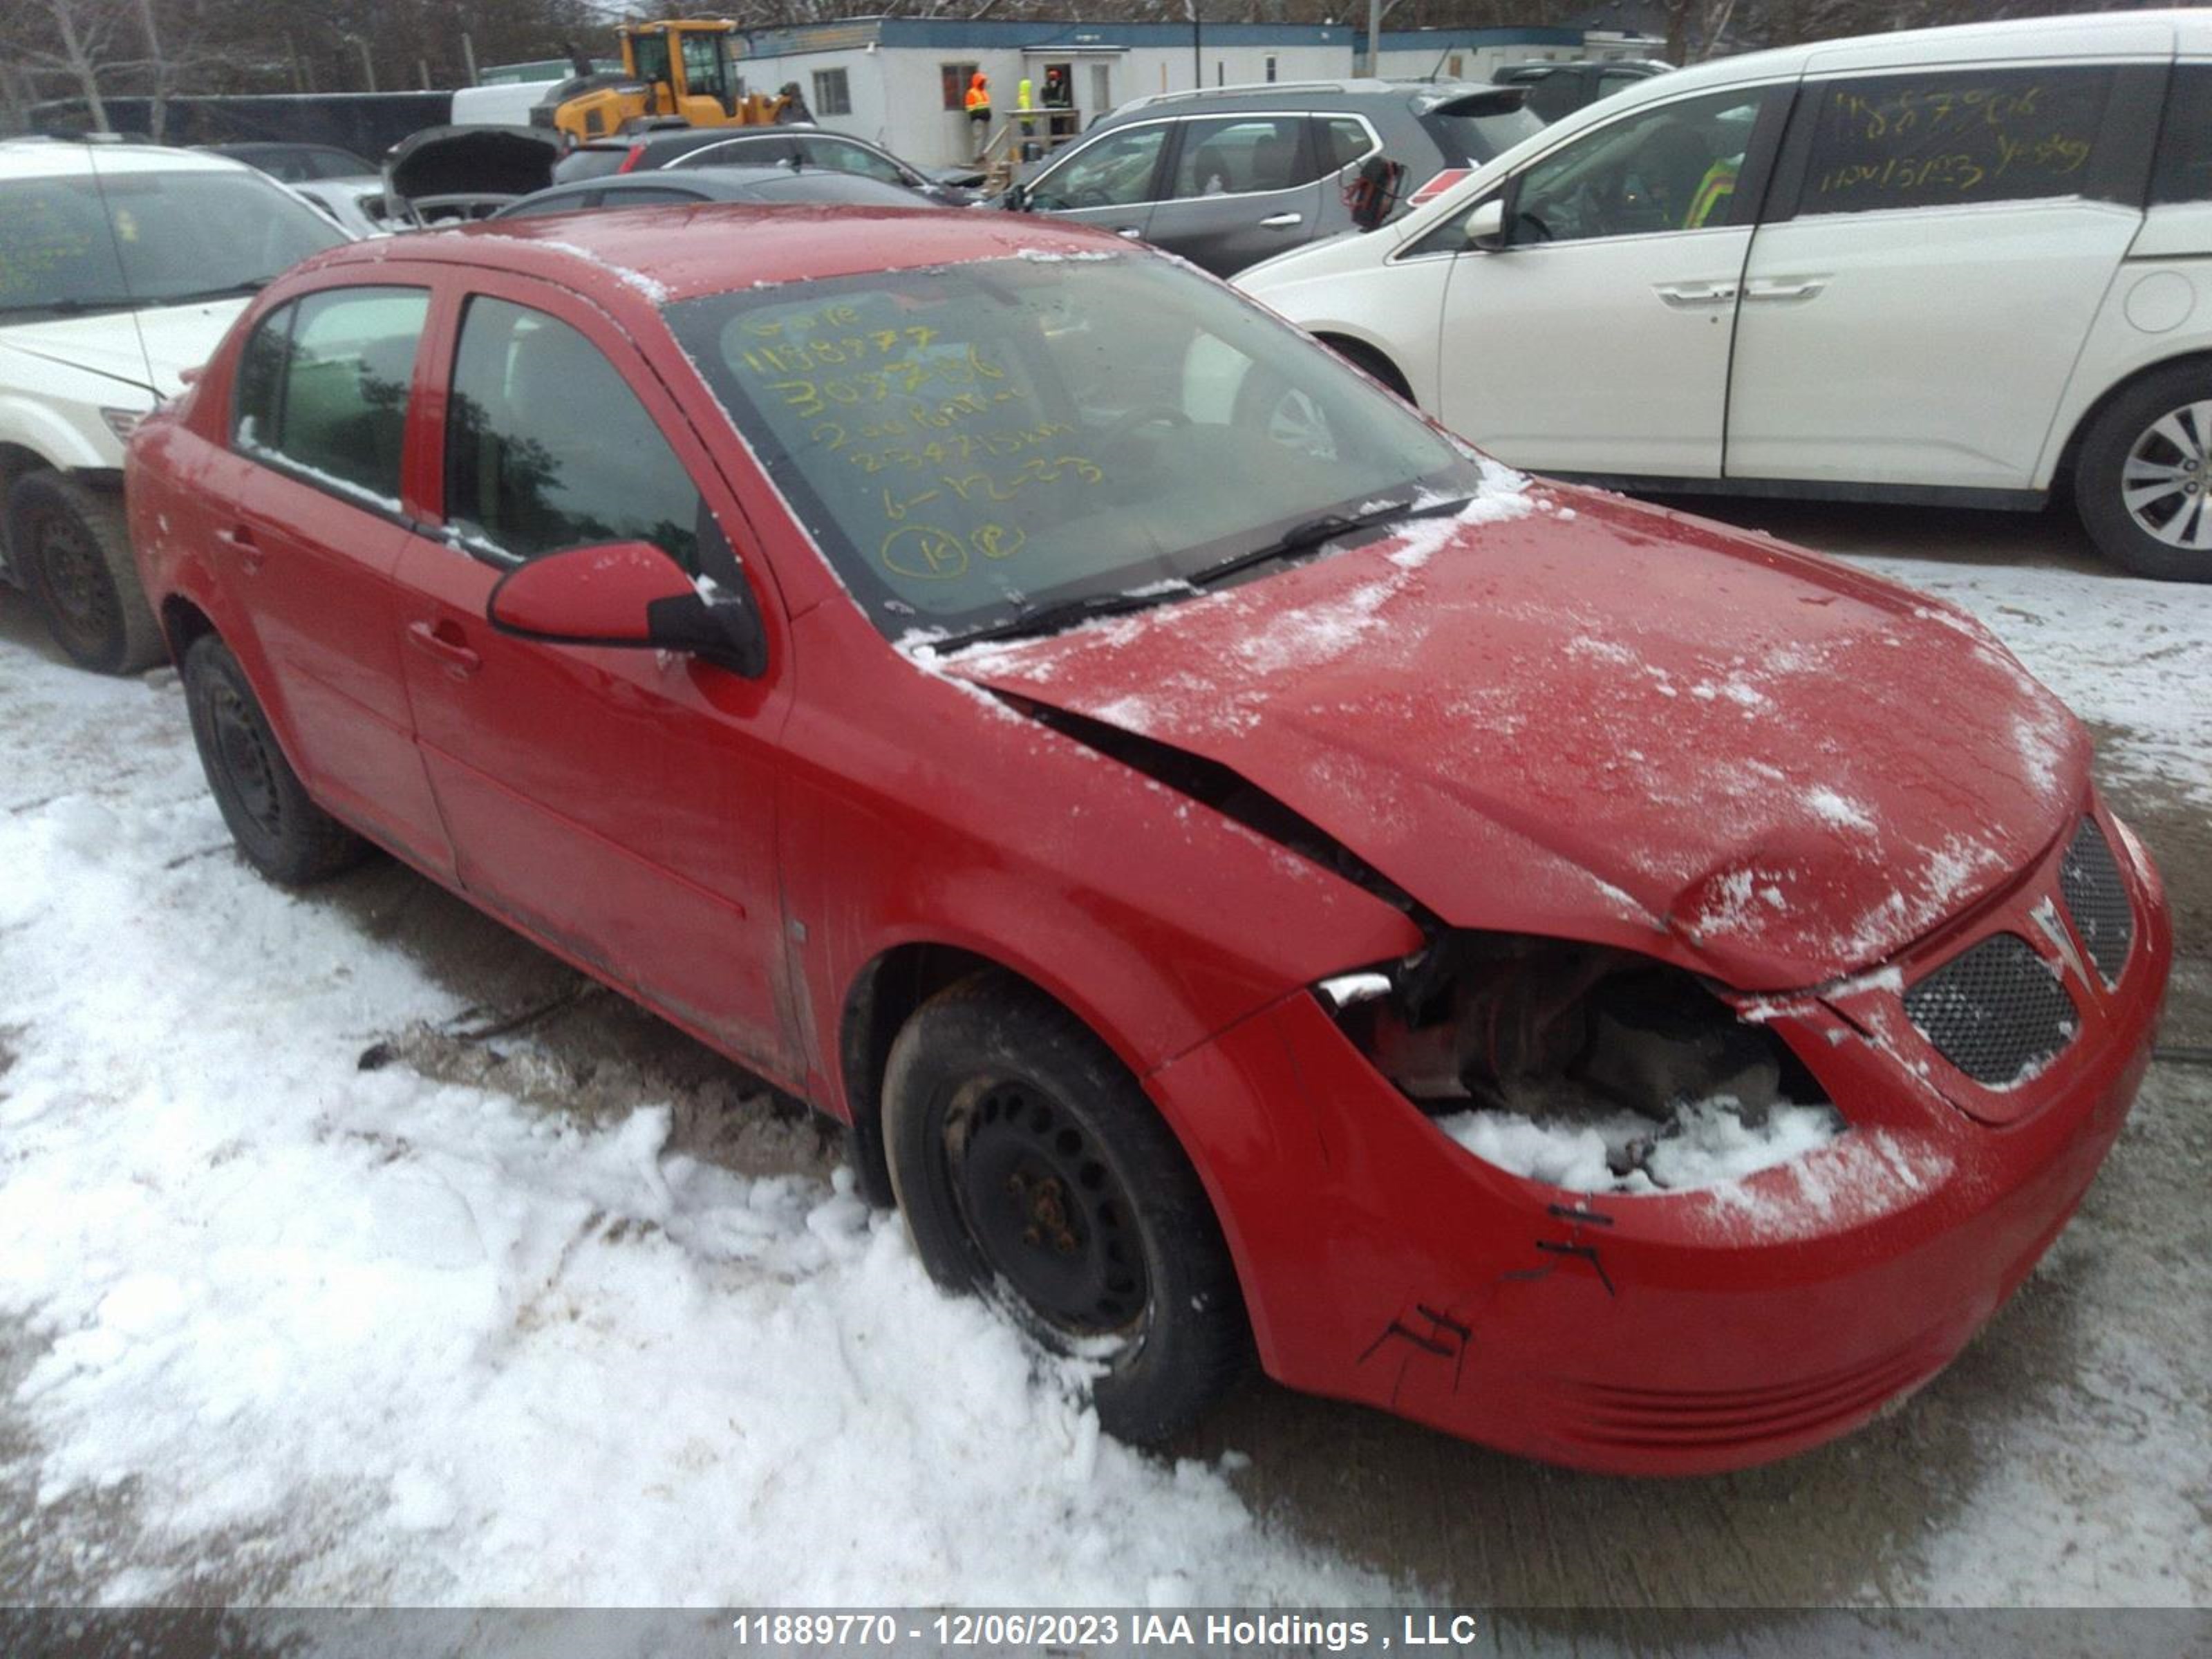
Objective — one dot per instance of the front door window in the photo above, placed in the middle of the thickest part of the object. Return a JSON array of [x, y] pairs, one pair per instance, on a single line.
[[1117, 171], [1671, 168]]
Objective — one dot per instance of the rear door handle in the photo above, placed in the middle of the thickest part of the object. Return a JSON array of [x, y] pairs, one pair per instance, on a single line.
[[1281, 221], [443, 643], [1686, 296], [1784, 288]]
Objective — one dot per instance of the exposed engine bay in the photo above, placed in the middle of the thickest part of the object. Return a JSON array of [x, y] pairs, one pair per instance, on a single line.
[[1578, 1038]]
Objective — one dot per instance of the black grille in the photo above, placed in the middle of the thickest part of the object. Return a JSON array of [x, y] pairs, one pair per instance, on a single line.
[[2089, 878], [1994, 1012]]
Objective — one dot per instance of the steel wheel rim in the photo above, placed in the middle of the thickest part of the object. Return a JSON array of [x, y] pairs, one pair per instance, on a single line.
[[1043, 1210], [2162, 482], [74, 577], [241, 750]]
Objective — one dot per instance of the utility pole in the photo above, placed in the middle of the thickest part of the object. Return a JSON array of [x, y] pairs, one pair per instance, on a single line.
[[1197, 49], [368, 68], [1375, 38]]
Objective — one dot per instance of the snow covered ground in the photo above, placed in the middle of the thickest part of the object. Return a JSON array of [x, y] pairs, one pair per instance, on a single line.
[[376, 1338], [297, 1331]]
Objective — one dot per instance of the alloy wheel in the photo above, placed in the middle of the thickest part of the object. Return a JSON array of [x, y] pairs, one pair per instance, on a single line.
[[2163, 481]]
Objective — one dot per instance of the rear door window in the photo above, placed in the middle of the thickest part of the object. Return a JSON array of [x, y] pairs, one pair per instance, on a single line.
[[324, 386], [547, 447], [1244, 155], [1950, 137]]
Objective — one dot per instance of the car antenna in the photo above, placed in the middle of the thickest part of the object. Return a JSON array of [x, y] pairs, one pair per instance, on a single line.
[[122, 270]]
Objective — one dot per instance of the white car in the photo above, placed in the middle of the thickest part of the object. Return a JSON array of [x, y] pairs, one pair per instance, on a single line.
[[121, 267], [1969, 266]]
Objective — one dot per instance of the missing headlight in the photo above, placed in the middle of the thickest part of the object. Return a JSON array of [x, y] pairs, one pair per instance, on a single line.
[[1584, 1067]]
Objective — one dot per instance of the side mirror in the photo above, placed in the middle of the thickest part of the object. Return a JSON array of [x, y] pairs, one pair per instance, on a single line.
[[1017, 199], [628, 594], [1486, 226]]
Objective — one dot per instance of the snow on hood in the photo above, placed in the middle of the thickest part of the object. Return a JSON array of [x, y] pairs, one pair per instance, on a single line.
[[177, 337], [1567, 713]]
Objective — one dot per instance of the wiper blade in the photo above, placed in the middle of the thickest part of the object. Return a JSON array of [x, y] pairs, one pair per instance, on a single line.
[[1304, 536], [1065, 613], [66, 308], [200, 296]]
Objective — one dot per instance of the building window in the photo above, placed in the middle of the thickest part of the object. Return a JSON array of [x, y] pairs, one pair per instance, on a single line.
[[833, 94], [956, 78], [1271, 69]]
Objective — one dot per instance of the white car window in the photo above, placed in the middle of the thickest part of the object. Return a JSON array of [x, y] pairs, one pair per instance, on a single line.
[[1670, 168], [1948, 137]]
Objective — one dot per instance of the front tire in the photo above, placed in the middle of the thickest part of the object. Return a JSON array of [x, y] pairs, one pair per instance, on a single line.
[[278, 828], [72, 549], [1032, 1169], [2141, 482]]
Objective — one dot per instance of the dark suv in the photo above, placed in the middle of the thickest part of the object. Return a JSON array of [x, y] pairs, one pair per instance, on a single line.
[[798, 147], [1557, 90], [1232, 175]]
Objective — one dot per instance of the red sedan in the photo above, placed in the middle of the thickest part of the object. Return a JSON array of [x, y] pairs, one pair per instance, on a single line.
[[1608, 986]]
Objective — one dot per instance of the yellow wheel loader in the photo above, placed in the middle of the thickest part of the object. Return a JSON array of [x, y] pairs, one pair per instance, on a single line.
[[679, 73]]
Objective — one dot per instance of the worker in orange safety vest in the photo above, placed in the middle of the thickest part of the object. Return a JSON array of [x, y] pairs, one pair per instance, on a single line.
[[979, 110]]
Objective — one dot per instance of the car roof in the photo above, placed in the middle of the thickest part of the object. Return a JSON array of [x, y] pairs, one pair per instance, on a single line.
[[1297, 94], [674, 252], [66, 158]]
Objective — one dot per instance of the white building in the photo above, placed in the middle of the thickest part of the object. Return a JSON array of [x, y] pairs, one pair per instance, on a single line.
[[901, 80]]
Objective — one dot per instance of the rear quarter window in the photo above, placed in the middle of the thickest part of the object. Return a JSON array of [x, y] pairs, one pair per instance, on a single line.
[[2183, 171]]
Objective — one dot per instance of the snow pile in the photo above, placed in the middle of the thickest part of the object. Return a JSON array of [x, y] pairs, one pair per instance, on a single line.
[[420, 1342], [1704, 1144]]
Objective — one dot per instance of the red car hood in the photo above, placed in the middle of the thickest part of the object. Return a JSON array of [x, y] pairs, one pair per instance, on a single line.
[[1564, 713]]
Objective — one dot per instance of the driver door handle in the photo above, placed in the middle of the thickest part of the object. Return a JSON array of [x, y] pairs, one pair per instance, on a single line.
[[1129, 231], [1685, 296], [442, 643], [1281, 221]]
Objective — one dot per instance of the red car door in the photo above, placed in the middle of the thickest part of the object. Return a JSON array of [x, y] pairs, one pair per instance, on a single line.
[[313, 536], [619, 804]]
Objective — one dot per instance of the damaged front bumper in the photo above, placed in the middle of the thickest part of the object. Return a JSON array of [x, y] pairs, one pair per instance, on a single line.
[[1677, 1332]]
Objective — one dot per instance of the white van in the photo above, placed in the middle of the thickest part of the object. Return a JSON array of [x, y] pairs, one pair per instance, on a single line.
[[1966, 266]]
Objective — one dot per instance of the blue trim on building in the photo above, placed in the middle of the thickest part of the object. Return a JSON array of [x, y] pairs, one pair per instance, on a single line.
[[958, 34], [1475, 39]]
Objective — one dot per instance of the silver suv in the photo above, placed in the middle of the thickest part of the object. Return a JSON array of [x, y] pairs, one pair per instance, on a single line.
[[1232, 175]]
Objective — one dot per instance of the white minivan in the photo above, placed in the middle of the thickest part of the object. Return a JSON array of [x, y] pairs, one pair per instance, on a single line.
[[1966, 266]]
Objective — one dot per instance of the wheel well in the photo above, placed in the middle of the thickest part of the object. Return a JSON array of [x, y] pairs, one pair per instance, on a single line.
[[182, 623], [1362, 356], [883, 998], [2062, 475], [14, 462]]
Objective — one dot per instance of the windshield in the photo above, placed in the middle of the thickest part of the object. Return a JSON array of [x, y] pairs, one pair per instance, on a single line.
[[974, 443], [130, 239]]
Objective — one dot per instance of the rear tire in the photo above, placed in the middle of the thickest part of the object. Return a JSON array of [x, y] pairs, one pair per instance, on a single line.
[[279, 830], [1033, 1170], [2142, 479], [72, 549]]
